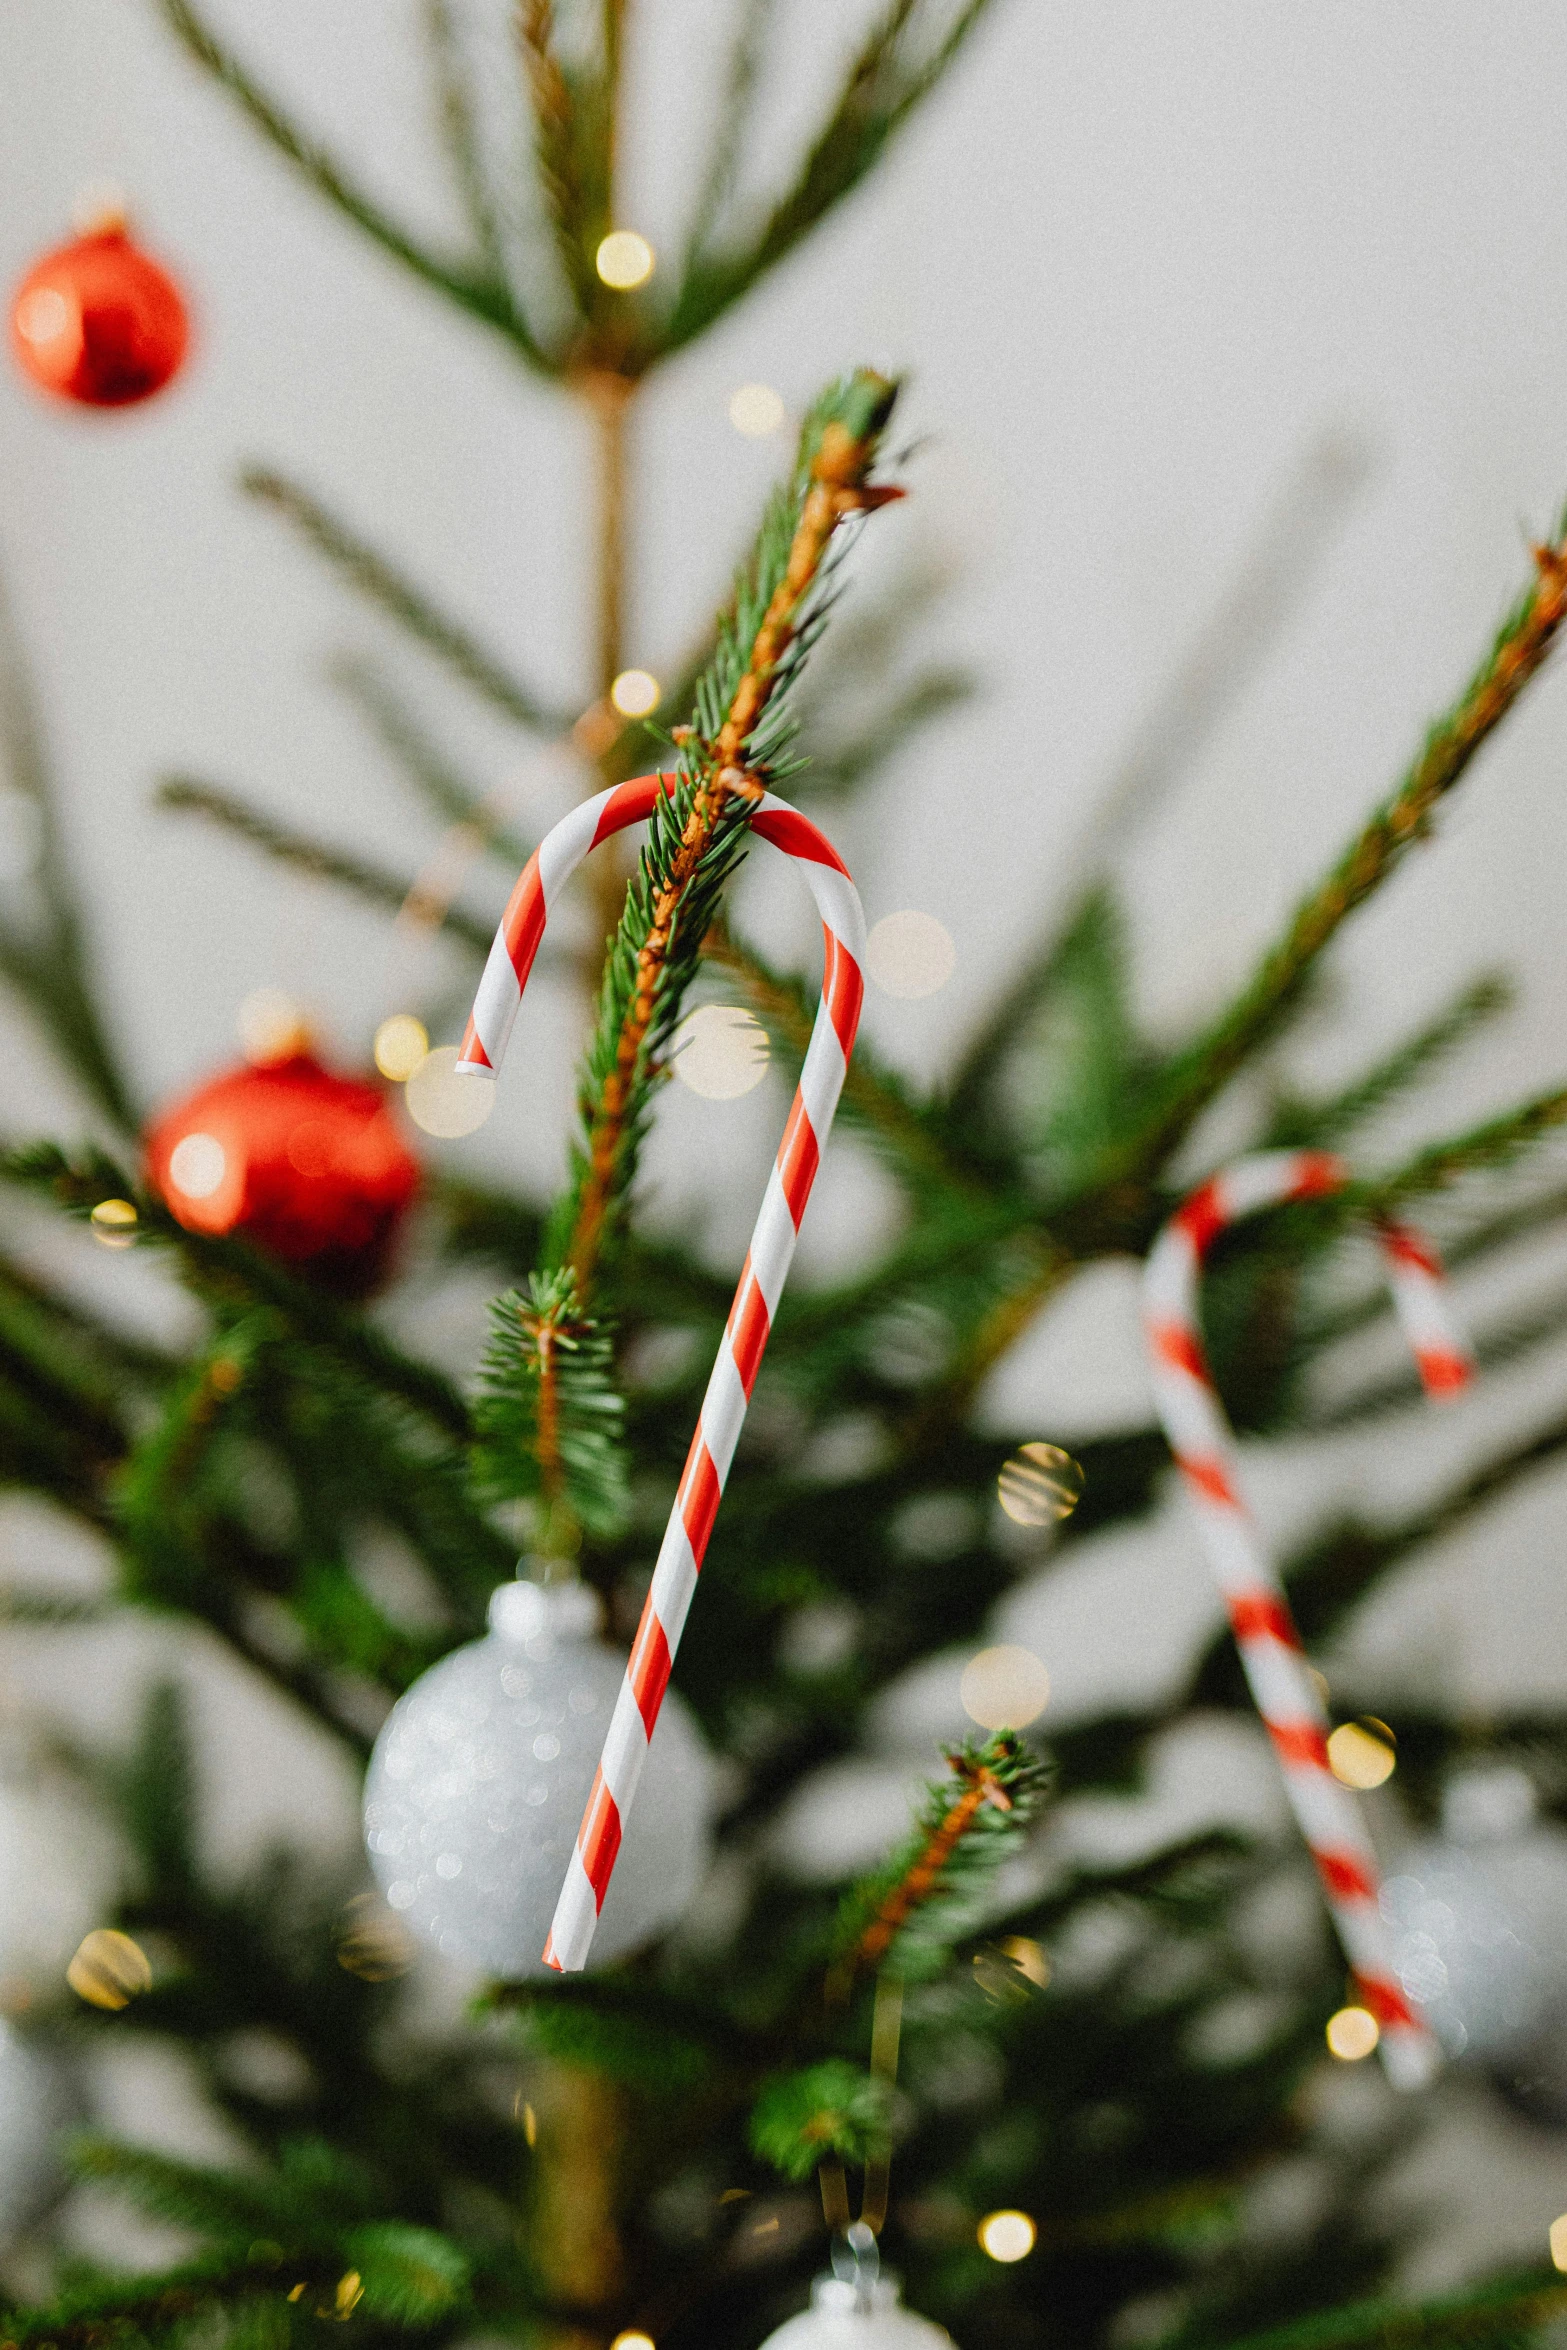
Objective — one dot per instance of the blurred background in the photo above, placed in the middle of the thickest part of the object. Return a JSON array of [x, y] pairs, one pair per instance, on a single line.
[[1223, 326]]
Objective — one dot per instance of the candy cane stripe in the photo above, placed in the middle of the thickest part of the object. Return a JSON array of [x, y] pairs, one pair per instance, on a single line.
[[1265, 1633], [756, 1298]]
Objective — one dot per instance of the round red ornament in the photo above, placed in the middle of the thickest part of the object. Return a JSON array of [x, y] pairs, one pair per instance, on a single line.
[[99, 322], [309, 1166]]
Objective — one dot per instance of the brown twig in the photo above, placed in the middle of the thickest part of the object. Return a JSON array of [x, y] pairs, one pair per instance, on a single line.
[[920, 1879], [837, 490]]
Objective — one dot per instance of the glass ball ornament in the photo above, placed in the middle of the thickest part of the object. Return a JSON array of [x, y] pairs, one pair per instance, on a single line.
[[1479, 1916], [308, 1165], [99, 322], [846, 2316], [479, 1777], [38, 2103]]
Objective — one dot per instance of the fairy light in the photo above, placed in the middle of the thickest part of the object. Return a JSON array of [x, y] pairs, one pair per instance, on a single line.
[[401, 1043], [445, 1102], [756, 410], [109, 1969], [1040, 1485], [1029, 1958], [636, 693], [114, 1223], [910, 954], [1361, 1754], [720, 1052], [1004, 1687], [271, 1027], [625, 260], [635, 2339], [1352, 2034], [1007, 2235], [1558, 2242], [197, 1165]]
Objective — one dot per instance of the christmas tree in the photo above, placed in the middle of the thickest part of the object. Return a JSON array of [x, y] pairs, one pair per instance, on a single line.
[[1077, 2099]]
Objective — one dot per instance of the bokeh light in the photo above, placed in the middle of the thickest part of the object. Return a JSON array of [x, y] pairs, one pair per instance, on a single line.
[[1361, 1754], [910, 955], [1040, 1485], [1007, 2235], [624, 260], [371, 1942], [109, 1969], [1558, 2242], [635, 693], [1004, 1687], [401, 1043], [1353, 2033], [1029, 1957], [114, 1223], [271, 1027], [756, 410], [444, 1101], [635, 2340], [197, 1165], [720, 1052]]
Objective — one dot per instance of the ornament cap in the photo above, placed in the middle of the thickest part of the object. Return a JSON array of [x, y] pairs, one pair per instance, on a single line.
[[544, 1616]]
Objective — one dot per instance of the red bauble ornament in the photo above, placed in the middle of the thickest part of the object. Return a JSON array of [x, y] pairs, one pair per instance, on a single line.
[[308, 1166], [99, 322]]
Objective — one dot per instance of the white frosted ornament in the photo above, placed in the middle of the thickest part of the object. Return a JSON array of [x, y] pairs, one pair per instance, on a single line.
[[1479, 1916], [479, 1777], [845, 2316], [38, 2102]]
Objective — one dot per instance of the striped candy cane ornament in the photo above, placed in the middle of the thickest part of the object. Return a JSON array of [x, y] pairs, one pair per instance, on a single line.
[[1270, 1649], [756, 1299]]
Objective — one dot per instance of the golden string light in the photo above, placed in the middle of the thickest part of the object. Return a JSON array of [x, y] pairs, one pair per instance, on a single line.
[[756, 410], [442, 1102], [1558, 2242], [636, 693], [635, 2339], [624, 260], [401, 1043], [114, 1223], [1007, 2235], [910, 954], [109, 1969], [1004, 1687], [1361, 1753], [1352, 2034], [1040, 1485], [720, 1052]]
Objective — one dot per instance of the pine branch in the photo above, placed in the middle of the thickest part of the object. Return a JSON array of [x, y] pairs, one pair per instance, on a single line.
[[888, 79], [573, 119], [1520, 648], [396, 893], [375, 577], [459, 130], [1507, 2309], [43, 953], [1322, 1123], [473, 288], [1491, 1144], [548, 1420], [422, 761], [741, 731], [908, 1916], [874, 1095], [732, 123], [830, 2108]]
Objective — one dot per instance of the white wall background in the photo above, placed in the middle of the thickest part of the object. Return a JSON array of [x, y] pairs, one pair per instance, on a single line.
[[1135, 262]]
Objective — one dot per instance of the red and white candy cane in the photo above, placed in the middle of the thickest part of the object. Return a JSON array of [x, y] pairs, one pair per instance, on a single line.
[[756, 1299], [1200, 1438]]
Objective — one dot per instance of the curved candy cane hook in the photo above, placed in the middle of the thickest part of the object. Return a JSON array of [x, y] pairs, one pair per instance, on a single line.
[[756, 1300], [1270, 1649]]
